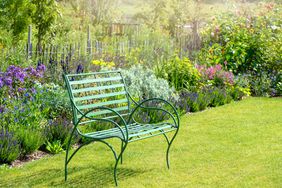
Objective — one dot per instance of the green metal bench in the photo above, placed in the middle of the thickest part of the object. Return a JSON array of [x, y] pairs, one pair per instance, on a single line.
[[102, 97]]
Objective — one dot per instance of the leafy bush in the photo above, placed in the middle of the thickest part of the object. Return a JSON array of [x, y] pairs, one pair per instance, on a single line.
[[59, 130], [207, 97], [219, 97], [244, 43], [247, 45], [30, 139], [180, 73], [142, 83], [9, 146], [54, 101], [260, 85], [216, 76]]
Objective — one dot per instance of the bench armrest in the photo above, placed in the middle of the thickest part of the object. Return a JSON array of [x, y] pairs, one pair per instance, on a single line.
[[173, 115], [85, 115]]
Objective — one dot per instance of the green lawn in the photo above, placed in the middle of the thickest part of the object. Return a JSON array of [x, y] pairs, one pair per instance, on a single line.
[[236, 145]]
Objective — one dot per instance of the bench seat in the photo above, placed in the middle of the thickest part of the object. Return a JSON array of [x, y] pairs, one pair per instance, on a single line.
[[135, 131]]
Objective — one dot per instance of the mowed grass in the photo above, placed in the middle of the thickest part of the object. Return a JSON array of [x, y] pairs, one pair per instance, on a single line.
[[236, 145]]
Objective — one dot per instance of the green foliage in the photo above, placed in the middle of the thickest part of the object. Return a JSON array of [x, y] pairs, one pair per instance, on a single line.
[[15, 17], [18, 14], [260, 85], [152, 49], [208, 96], [155, 15], [44, 16], [9, 146], [30, 139], [245, 44], [180, 73], [59, 129], [142, 83], [54, 100], [54, 147], [218, 97]]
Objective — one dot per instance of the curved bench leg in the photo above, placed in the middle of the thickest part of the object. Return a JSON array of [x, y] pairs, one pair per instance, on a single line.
[[67, 152], [168, 148], [69, 159], [117, 161], [121, 154]]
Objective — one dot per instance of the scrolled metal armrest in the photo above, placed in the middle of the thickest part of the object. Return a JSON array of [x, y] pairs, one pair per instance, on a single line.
[[140, 105], [84, 115]]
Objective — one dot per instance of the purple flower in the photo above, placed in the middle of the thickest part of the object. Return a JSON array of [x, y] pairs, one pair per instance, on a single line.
[[2, 109], [8, 81], [20, 76], [1, 82], [41, 68], [33, 90], [21, 89], [79, 68]]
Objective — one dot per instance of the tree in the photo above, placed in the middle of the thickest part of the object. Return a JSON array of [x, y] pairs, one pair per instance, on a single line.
[[156, 15], [15, 16], [44, 16]]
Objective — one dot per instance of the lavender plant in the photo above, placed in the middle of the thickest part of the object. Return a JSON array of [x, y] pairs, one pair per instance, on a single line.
[[9, 146]]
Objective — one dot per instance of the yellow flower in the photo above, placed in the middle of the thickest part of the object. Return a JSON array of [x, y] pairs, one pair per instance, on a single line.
[[111, 64]]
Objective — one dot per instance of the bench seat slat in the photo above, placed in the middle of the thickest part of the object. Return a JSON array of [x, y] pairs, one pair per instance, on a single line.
[[88, 106], [135, 131], [97, 88], [99, 96], [88, 81]]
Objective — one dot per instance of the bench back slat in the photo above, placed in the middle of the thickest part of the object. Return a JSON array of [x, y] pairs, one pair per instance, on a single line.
[[98, 88], [91, 90], [100, 96], [87, 81]]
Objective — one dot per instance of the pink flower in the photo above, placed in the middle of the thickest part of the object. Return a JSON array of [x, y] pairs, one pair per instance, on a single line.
[[218, 67]]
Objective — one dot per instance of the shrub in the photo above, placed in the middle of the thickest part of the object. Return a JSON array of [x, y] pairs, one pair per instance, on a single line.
[[142, 83], [192, 102], [9, 146], [180, 74], [59, 129], [19, 101], [30, 139], [180, 103], [216, 76], [54, 101], [219, 97], [247, 45], [260, 85]]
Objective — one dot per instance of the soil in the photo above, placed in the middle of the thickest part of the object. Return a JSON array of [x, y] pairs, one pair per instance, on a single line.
[[32, 157]]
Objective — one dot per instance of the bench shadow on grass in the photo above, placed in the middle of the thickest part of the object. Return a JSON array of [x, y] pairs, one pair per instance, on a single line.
[[77, 177]]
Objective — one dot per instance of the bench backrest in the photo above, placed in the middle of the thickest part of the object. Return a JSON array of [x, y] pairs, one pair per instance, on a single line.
[[91, 90]]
